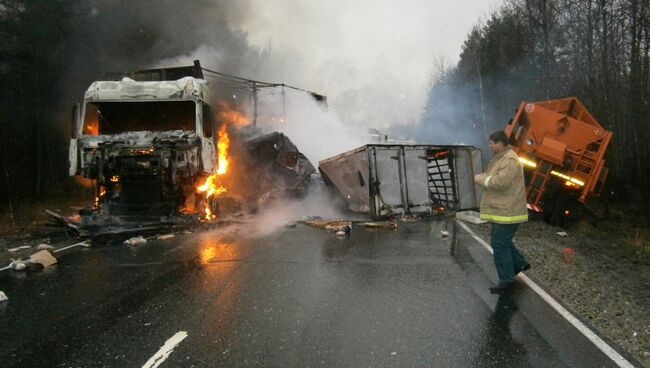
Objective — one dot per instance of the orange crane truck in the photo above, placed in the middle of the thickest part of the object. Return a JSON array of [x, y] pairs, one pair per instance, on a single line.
[[562, 148]]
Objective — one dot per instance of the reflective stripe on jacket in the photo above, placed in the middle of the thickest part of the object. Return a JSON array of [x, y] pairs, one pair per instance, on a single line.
[[504, 190]]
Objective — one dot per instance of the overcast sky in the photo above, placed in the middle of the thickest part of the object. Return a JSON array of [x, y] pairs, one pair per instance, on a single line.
[[372, 58]]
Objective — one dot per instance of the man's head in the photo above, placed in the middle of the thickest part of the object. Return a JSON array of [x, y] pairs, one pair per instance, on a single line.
[[498, 141]]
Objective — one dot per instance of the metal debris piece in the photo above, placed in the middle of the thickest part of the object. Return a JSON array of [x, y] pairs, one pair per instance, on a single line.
[[562, 234], [61, 221], [16, 249], [396, 179], [3, 296], [338, 225], [43, 257], [82, 244], [17, 265], [165, 237], [44, 247], [444, 233], [381, 225], [137, 240]]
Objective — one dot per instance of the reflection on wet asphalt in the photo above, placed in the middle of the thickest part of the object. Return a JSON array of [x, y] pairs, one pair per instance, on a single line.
[[296, 297]]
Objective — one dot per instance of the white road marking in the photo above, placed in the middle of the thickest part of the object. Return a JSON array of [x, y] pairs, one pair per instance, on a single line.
[[586, 331], [165, 350]]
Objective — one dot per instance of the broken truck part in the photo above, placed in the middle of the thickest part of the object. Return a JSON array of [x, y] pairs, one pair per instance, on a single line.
[[277, 165], [562, 149], [155, 144], [145, 145], [397, 180]]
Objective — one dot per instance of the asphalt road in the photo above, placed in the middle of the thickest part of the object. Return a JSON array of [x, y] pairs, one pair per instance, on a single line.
[[299, 297]]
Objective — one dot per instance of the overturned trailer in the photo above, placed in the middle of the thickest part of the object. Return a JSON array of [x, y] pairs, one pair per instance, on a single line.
[[390, 180]]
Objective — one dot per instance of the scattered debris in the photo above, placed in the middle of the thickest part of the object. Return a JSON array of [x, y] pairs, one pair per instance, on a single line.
[[340, 233], [381, 225], [13, 250], [562, 234], [444, 233], [44, 247], [470, 216], [17, 265], [330, 225], [410, 218], [291, 225], [81, 244], [3, 296], [137, 240], [67, 223], [165, 237], [43, 257]]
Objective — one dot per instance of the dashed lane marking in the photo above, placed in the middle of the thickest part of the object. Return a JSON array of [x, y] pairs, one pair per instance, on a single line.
[[165, 350], [573, 320]]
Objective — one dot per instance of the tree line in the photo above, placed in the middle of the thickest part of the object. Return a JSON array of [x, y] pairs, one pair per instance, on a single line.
[[596, 50]]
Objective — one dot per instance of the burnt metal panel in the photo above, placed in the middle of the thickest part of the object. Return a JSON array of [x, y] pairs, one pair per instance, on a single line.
[[386, 180]]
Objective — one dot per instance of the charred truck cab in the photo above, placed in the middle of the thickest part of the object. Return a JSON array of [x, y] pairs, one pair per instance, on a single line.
[[144, 144]]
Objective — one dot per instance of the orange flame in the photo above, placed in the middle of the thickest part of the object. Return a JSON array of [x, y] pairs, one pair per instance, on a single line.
[[231, 116], [212, 186], [222, 148]]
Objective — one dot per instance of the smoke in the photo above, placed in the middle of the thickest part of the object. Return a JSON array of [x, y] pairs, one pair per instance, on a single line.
[[318, 203]]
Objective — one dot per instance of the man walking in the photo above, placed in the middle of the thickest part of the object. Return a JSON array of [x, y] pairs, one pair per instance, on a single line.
[[504, 205]]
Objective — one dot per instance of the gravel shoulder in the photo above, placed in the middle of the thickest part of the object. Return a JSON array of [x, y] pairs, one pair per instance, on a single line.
[[597, 275]]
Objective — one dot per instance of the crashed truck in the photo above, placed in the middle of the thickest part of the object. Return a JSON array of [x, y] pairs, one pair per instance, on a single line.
[[147, 140], [395, 180]]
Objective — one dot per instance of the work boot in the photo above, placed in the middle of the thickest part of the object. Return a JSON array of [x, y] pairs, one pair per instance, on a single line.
[[525, 267], [502, 288]]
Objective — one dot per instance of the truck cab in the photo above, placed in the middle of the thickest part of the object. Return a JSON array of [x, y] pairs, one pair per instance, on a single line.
[[145, 144]]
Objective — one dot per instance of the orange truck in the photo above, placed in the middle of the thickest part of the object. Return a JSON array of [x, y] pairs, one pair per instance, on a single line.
[[562, 148]]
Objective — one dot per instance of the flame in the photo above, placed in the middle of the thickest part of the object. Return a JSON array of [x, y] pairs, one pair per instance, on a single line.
[[222, 148], [91, 127], [212, 186], [102, 193], [231, 116]]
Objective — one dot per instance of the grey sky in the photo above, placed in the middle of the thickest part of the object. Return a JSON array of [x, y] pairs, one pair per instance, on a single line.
[[372, 58]]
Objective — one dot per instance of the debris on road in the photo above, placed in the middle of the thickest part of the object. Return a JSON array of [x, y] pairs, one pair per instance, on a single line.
[[410, 218], [44, 247], [381, 225], [340, 233], [84, 244], [137, 240], [43, 257], [3, 297], [291, 225], [165, 237], [562, 234], [17, 265], [16, 249], [444, 233]]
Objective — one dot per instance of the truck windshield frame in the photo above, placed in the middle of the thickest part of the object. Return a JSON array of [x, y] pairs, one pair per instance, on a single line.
[[116, 117]]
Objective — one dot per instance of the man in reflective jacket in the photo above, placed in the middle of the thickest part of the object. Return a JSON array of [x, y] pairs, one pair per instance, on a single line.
[[504, 205]]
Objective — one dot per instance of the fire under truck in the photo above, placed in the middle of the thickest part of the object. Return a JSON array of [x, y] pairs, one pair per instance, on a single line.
[[561, 147]]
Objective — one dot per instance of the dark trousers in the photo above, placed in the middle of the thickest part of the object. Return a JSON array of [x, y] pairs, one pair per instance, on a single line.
[[507, 258]]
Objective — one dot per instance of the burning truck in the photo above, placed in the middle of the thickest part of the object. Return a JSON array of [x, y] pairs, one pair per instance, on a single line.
[[155, 146]]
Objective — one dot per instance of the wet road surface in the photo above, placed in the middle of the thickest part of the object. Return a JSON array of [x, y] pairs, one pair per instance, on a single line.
[[297, 297]]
